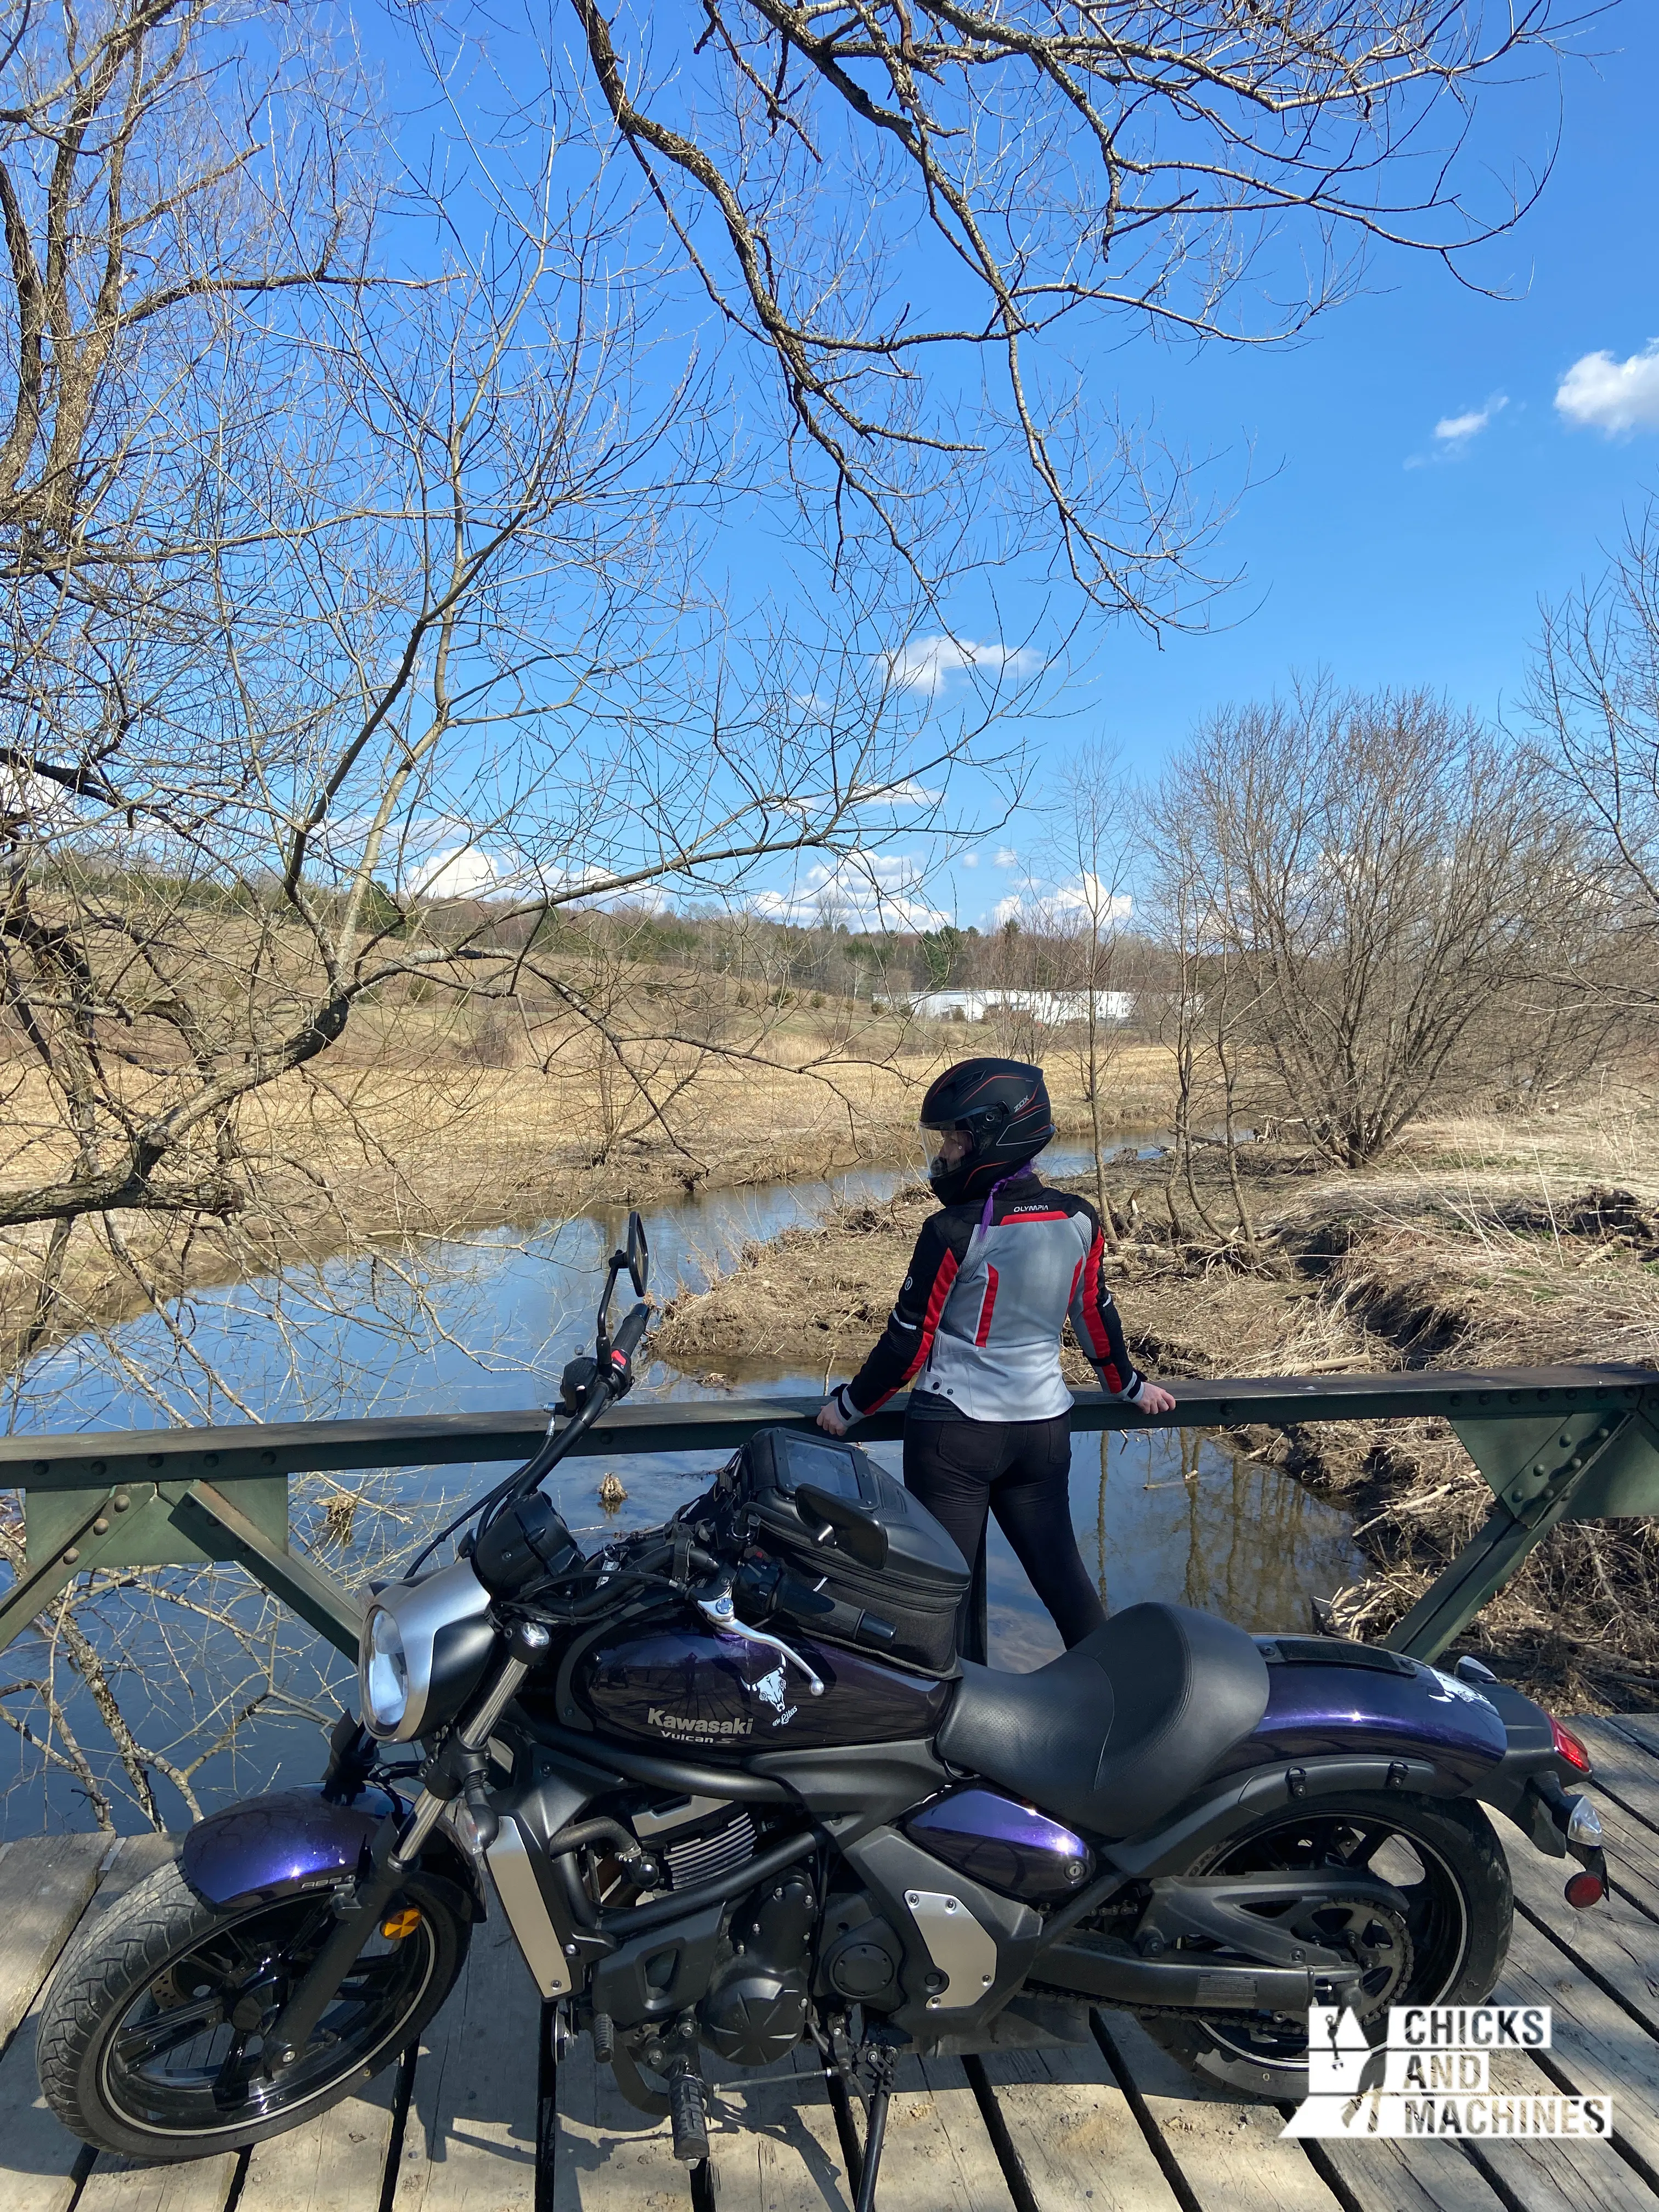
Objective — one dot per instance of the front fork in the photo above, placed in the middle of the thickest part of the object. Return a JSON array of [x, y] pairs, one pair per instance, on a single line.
[[396, 1851]]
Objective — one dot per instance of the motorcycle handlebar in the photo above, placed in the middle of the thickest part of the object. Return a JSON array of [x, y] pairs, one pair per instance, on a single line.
[[634, 1326]]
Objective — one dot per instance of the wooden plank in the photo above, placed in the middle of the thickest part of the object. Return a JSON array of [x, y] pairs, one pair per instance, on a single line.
[[938, 2156], [1598, 2049], [1642, 1728], [38, 2156], [609, 2153], [1077, 2136], [788, 2156], [773, 2140], [470, 2143], [1612, 1938], [1623, 1770], [1396, 2177], [45, 1883], [199, 2185], [1551, 2174], [335, 2163], [1231, 2153]]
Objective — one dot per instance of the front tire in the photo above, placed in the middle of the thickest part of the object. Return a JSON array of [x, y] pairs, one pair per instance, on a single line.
[[150, 2036], [1445, 1858]]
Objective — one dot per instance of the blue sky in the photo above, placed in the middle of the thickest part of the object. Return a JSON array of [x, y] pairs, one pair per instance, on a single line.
[[1414, 490], [1372, 547]]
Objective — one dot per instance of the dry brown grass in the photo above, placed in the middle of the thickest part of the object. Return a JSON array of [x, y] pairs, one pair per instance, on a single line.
[[403, 1133]]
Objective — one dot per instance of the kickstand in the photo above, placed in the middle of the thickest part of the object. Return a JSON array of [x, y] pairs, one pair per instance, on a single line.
[[547, 2103], [852, 2151], [882, 2063]]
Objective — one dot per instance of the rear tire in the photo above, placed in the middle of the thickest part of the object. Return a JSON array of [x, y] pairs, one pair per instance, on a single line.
[[150, 2042], [1459, 1929]]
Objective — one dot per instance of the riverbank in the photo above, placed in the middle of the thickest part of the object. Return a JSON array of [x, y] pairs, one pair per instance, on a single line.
[[1479, 1242], [368, 1151]]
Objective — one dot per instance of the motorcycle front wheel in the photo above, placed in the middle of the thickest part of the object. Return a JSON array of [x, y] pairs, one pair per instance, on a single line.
[[1443, 1857], [151, 2036]]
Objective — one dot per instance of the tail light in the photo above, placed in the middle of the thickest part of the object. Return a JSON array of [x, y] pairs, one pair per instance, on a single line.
[[1585, 1889], [1568, 1747]]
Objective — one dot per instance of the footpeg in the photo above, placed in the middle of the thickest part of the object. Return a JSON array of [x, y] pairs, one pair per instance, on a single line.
[[688, 2115]]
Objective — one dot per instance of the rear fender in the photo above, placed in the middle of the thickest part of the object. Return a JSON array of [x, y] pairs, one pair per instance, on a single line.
[[292, 1841], [1219, 1809]]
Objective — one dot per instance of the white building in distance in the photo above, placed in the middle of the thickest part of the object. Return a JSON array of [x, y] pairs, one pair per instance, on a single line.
[[1052, 1009]]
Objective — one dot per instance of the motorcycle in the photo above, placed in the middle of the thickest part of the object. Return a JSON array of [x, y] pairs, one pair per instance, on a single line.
[[732, 1788]]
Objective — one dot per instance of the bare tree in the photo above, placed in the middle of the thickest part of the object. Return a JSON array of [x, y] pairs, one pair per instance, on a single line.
[[1594, 697], [869, 193], [347, 571], [397, 601], [1093, 849], [1363, 875]]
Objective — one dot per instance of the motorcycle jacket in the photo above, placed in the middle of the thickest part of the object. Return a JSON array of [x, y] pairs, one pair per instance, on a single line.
[[976, 1327]]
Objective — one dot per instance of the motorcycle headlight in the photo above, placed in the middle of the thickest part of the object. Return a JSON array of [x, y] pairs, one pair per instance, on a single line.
[[383, 1674]]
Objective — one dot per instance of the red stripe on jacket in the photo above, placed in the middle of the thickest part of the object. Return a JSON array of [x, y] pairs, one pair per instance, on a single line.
[[988, 1307], [941, 1290], [1099, 1342]]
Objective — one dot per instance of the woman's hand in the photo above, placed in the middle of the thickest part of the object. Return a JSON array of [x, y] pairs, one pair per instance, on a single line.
[[830, 1419], [1153, 1399]]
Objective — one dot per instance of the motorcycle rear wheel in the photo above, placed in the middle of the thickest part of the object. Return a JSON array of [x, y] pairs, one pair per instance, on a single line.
[[150, 2037], [1444, 1857]]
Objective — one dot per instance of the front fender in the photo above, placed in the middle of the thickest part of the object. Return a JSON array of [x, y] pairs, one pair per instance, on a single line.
[[290, 1841]]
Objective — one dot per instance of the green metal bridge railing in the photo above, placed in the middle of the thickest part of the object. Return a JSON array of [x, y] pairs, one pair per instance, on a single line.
[[1555, 1444]]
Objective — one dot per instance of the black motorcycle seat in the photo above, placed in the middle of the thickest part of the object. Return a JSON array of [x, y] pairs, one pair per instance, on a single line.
[[1116, 1731]]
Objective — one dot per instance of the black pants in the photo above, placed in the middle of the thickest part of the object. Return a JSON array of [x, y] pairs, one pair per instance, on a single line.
[[1020, 1471]]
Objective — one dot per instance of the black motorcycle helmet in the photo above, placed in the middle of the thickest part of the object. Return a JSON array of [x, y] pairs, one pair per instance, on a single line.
[[1000, 1107]]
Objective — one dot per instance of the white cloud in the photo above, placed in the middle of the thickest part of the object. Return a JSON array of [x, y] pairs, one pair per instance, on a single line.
[[909, 793], [1085, 898], [463, 871], [1089, 898], [925, 665], [1613, 396], [970, 860], [866, 891], [1006, 857], [1457, 429]]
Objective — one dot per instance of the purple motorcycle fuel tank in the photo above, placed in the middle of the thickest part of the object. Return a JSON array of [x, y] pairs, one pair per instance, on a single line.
[[718, 1694]]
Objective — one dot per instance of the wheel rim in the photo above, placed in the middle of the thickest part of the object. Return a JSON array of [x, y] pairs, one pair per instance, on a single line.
[[1414, 1963], [186, 2055]]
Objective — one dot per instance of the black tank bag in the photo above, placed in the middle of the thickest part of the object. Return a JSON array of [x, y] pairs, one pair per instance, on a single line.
[[839, 1545]]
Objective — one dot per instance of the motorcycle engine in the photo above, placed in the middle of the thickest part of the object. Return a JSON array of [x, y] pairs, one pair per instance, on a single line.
[[754, 2012]]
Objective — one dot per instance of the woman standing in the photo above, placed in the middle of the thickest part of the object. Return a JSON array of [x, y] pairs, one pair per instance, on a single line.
[[995, 1274]]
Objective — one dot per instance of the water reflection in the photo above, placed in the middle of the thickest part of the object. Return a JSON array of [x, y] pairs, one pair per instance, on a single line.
[[1179, 1516]]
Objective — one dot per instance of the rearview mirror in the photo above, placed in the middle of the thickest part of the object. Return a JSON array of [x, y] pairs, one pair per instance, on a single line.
[[856, 1534], [638, 1255]]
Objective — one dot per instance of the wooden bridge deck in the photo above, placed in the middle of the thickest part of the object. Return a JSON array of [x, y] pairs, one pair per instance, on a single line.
[[453, 2128]]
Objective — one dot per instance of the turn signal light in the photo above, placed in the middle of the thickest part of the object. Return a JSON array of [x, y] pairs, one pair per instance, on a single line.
[[406, 1921], [1583, 1889], [1569, 1747]]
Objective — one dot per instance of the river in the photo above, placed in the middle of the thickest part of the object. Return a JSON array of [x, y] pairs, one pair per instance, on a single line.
[[490, 1321]]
